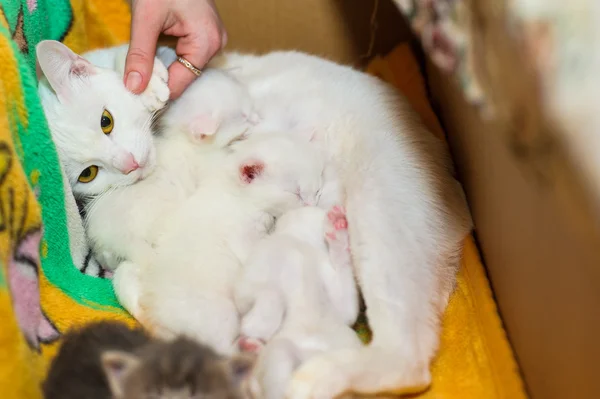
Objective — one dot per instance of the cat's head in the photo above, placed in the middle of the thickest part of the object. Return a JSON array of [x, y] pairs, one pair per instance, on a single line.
[[286, 172], [180, 369], [102, 131]]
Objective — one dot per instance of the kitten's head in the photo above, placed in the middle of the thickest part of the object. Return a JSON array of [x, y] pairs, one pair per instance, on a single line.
[[181, 369], [284, 171], [214, 110], [101, 130]]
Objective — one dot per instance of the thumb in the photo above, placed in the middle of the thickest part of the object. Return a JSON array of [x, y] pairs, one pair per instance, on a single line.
[[146, 24]]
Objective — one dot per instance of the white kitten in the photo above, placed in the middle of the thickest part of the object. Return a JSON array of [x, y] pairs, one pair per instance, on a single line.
[[215, 102], [186, 285], [297, 293]]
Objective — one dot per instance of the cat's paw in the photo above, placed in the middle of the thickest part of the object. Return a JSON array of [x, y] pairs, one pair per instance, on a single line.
[[249, 344], [336, 231], [319, 378], [126, 283], [157, 92]]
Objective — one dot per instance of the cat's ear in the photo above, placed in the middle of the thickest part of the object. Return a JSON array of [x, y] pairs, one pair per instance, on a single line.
[[62, 67], [239, 367], [117, 366]]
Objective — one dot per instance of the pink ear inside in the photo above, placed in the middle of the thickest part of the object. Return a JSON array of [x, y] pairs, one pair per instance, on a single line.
[[60, 65], [251, 170], [204, 125]]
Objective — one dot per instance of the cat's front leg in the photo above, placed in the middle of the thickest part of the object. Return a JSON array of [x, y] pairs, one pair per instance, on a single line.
[[127, 286], [157, 92]]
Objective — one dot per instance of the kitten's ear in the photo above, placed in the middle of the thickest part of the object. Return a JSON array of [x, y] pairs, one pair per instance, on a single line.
[[240, 367], [61, 66], [252, 117], [117, 365], [204, 125]]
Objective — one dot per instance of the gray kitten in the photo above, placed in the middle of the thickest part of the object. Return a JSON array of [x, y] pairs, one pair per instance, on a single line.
[[107, 360]]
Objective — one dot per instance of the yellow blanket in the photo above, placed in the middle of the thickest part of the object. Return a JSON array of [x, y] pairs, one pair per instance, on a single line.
[[42, 293]]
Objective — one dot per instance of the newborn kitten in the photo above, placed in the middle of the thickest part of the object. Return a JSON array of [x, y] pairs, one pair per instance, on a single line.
[[185, 284], [297, 293], [215, 102], [107, 360]]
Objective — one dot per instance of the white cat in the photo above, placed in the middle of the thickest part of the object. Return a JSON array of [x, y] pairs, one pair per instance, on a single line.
[[297, 293], [407, 215], [102, 135]]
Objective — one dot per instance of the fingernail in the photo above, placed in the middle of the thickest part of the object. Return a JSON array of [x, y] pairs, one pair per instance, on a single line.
[[134, 80]]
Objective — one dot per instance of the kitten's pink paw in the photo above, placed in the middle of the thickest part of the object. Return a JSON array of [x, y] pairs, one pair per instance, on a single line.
[[337, 216], [249, 344], [337, 237], [337, 227]]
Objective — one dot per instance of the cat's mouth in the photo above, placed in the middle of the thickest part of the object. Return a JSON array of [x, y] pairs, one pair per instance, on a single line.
[[143, 173]]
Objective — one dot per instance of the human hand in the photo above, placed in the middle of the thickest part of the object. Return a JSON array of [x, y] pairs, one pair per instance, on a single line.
[[196, 24]]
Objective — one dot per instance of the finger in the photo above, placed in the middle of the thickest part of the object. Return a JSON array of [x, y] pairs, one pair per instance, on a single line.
[[146, 24], [198, 50]]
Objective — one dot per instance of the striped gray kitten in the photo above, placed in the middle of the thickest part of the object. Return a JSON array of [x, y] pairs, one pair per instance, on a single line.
[[107, 360]]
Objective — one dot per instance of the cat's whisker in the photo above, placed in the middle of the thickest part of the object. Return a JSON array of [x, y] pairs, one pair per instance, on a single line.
[[92, 204]]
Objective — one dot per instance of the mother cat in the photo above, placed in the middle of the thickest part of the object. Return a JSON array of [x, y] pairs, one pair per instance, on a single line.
[[407, 216]]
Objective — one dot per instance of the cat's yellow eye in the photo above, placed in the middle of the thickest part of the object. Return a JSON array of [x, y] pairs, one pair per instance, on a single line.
[[88, 174], [106, 122]]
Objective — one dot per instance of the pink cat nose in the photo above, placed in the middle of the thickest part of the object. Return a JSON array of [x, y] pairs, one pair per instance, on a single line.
[[131, 166]]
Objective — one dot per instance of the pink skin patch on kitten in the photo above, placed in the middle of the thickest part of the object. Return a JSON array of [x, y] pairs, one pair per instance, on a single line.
[[252, 345], [250, 171], [337, 217], [336, 234]]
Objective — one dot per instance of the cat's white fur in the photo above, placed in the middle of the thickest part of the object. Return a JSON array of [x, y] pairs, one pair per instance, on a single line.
[[74, 109], [407, 215], [183, 282], [192, 219], [297, 293]]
